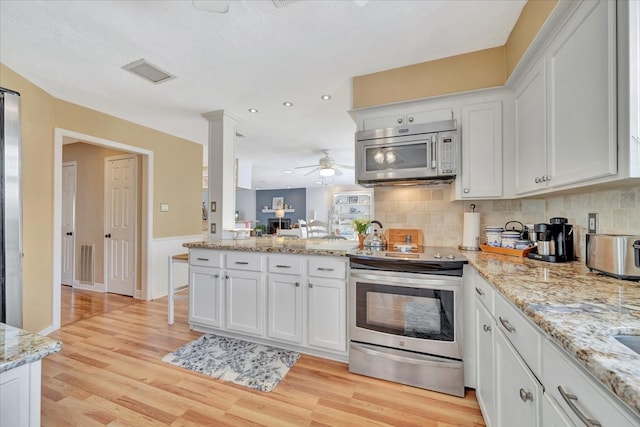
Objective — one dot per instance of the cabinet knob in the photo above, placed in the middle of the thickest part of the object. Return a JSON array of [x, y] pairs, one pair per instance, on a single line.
[[410, 119], [537, 180], [466, 190], [547, 178], [486, 328], [526, 395], [311, 285], [400, 120], [226, 276], [216, 276], [297, 284]]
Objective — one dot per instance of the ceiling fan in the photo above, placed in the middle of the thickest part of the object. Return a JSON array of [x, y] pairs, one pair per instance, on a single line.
[[222, 6], [326, 166]]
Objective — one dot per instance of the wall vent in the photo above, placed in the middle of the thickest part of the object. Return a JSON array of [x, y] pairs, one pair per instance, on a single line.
[[87, 264], [148, 71]]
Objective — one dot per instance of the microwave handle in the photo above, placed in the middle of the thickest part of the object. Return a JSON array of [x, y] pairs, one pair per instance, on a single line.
[[434, 163]]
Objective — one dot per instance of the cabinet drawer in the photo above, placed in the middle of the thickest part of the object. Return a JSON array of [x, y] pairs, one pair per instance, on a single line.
[[328, 267], [285, 264], [587, 396], [520, 332], [484, 292], [205, 258], [244, 261]]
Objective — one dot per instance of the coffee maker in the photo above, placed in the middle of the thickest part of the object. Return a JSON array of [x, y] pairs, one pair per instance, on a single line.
[[554, 240]]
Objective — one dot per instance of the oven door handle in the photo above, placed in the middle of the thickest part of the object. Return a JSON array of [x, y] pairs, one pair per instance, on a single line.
[[422, 360], [452, 283]]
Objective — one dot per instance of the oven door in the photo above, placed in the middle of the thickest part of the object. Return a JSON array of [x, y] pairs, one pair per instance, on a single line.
[[415, 312]]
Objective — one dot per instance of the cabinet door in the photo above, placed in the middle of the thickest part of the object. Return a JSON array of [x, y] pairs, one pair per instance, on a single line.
[[429, 115], [327, 313], [284, 299], [14, 397], [245, 302], [485, 391], [518, 392], [482, 150], [387, 120], [530, 117], [552, 415], [582, 96], [205, 299]]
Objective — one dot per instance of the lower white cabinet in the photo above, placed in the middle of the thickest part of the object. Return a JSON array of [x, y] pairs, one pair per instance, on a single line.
[[205, 295], [327, 313], [485, 387], [285, 304], [518, 392], [294, 301], [552, 415], [245, 301], [20, 395]]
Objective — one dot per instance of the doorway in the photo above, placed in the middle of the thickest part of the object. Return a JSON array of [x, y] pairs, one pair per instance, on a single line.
[[64, 137]]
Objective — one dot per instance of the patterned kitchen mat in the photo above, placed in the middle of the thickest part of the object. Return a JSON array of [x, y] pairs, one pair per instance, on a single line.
[[245, 363]]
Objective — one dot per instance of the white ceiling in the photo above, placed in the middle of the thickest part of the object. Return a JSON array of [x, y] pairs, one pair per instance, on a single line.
[[254, 56]]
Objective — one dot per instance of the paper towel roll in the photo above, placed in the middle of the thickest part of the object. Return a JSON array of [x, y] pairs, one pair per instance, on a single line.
[[471, 230]]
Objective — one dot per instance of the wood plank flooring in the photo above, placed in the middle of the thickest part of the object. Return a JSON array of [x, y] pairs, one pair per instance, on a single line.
[[109, 372], [81, 304]]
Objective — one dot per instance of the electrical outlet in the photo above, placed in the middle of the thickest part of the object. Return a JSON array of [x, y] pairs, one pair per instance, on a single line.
[[592, 223], [164, 207]]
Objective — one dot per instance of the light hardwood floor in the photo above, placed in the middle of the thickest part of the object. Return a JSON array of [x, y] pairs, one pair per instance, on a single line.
[[109, 372], [80, 304]]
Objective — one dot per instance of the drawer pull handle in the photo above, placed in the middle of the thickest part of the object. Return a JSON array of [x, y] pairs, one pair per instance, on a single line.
[[242, 262], [486, 328], [479, 292], [283, 266], [569, 398], [203, 259], [526, 395], [507, 325], [325, 269]]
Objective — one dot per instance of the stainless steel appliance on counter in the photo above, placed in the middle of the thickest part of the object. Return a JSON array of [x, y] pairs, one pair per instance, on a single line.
[[10, 210], [405, 317], [554, 241], [614, 255], [408, 154]]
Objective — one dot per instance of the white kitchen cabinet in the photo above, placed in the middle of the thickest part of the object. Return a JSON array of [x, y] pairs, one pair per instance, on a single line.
[[406, 115], [481, 129], [565, 106], [205, 295], [518, 392], [327, 313], [245, 301], [485, 388], [552, 415], [285, 306], [20, 390], [582, 396]]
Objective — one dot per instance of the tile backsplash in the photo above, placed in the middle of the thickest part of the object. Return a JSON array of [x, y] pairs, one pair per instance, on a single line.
[[441, 220]]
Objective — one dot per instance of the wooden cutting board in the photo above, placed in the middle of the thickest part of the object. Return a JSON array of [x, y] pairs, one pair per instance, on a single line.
[[397, 236]]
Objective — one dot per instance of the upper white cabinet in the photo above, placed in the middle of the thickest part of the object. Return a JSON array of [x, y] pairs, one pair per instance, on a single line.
[[565, 106], [481, 174], [409, 115], [629, 87]]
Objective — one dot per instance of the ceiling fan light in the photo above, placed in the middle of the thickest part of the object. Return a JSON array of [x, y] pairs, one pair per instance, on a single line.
[[327, 172]]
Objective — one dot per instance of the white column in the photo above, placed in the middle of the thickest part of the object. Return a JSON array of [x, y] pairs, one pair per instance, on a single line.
[[222, 187]]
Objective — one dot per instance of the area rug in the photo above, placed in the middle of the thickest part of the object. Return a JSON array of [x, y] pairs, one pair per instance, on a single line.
[[252, 365]]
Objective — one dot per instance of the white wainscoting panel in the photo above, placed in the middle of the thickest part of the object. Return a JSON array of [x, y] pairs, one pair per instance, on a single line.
[[160, 251]]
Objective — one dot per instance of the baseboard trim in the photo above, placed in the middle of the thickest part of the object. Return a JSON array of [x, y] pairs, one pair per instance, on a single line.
[[98, 287]]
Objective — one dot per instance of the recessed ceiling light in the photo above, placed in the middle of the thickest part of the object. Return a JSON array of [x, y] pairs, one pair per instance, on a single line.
[[253, 110], [325, 97], [287, 104], [287, 172]]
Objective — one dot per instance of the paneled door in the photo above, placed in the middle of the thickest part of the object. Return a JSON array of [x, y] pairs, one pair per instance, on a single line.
[[69, 171], [120, 224]]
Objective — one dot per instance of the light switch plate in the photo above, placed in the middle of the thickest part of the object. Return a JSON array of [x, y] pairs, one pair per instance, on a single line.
[[592, 223], [164, 207]]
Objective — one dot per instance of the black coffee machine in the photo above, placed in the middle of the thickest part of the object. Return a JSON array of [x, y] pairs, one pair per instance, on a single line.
[[554, 240]]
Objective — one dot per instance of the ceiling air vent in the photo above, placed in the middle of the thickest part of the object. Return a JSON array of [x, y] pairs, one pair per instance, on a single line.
[[147, 71]]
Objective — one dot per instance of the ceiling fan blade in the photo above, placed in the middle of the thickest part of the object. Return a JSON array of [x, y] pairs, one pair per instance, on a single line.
[[217, 6], [312, 171], [338, 172], [304, 167], [344, 166]]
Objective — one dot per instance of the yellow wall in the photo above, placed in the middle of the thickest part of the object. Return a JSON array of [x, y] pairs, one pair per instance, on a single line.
[[471, 71], [177, 180]]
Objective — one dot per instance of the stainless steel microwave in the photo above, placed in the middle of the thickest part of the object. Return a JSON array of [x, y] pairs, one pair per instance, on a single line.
[[408, 154]]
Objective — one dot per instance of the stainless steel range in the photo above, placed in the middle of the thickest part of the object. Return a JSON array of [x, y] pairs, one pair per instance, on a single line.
[[405, 317]]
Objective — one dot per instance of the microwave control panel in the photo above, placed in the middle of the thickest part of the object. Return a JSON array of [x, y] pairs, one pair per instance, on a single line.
[[447, 155]]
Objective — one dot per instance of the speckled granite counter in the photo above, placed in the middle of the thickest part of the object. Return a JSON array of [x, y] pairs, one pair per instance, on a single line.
[[18, 347], [315, 246], [579, 310]]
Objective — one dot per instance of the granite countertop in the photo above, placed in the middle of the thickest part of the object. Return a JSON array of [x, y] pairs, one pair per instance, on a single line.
[[313, 246], [579, 310], [18, 347]]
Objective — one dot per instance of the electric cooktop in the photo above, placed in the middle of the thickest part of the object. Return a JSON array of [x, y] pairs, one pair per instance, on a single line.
[[417, 254]]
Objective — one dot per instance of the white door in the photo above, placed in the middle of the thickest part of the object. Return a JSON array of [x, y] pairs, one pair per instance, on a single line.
[[69, 171], [120, 224]]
